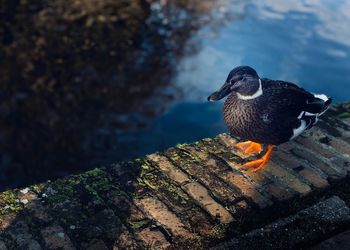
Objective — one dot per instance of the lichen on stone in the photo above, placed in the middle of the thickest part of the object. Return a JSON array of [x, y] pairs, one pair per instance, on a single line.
[[9, 203]]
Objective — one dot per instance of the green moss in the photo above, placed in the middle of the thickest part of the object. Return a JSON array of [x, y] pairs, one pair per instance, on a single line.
[[9, 203], [220, 230], [58, 191], [100, 181], [175, 157], [8, 197], [37, 188], [167, 187], [96, 183], [155, 180], [139, 224], [211, 146], [96, 172], [191, 157], [207, 139], [179, 193], [144, 167], [145, 182], [125, 194], [337, 105], [344, 115], [181, 146], [91, 186]]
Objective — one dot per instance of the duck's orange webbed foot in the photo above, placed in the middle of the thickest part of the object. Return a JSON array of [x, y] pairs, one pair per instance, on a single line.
[[260, 163], [249, 147]]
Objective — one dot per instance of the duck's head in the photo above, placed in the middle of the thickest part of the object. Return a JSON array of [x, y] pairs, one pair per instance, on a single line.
[[240, 78]]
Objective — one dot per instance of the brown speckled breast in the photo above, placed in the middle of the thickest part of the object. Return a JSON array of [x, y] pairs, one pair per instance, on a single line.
[[258, 120]]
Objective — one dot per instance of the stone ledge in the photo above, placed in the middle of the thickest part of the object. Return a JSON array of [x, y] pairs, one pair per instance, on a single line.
[[192, 196], [296, 230], [338, 242]]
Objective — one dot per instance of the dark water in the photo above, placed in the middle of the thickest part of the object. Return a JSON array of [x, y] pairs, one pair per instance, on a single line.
[[87, 83]]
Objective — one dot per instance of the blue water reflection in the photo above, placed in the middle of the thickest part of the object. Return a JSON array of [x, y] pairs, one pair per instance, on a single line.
[[306, 42]]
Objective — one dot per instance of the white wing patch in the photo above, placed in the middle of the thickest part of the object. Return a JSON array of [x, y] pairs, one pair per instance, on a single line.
[[297, 131], [301, 114], [321, 96], [311, 114], [258, 93]]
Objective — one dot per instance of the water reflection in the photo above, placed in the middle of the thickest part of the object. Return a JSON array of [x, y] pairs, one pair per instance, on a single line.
[[75, 74], [304, 41]]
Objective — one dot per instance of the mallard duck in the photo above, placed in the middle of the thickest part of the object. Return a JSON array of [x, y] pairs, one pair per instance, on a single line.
[[268, 112]]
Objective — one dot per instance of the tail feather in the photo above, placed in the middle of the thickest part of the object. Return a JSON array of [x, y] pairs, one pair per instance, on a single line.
[[326, 105], [318, 105]]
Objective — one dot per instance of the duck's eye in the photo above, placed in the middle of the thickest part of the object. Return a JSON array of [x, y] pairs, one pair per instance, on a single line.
[[236, 79]]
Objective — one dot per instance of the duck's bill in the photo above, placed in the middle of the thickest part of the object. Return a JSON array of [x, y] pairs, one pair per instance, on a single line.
[[221, 93]]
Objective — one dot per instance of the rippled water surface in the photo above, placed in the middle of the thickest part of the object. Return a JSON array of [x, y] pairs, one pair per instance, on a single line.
[[85, 83]]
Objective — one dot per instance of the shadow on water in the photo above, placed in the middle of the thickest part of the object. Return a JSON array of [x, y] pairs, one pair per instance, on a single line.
[[74, 73]]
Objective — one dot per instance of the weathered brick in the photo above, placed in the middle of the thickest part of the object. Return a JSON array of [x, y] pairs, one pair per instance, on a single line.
[[202, 169], [242, 206], [278, 192], [340, 146], [247, 188], [331, 170], [153, 181], [6, 220], [193, 165], [104, 224], [231, 160], [202, 197], [175, 199], [2, 245], [315, 179], [126, 240], [97, 245], [168, 168], [327, 128], [337, 242], [159, 212], [333, 122], [39, 211], [20, 233], [153, 238], [345, 135], [26, 196], [136, 216], [342, 161], [55, 237], [331, 158], [227, 140], [230, 143], [312, 175], [286, 159], [295, 231], [286, 146], [290, 180], [126, 209], [257, 177], [314, 145]]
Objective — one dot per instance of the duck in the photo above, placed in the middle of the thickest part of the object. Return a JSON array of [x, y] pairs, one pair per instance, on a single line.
[[268, 112]]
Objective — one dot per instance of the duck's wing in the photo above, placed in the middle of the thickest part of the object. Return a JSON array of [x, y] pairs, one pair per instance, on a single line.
[[296, 98], [296, 108]]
